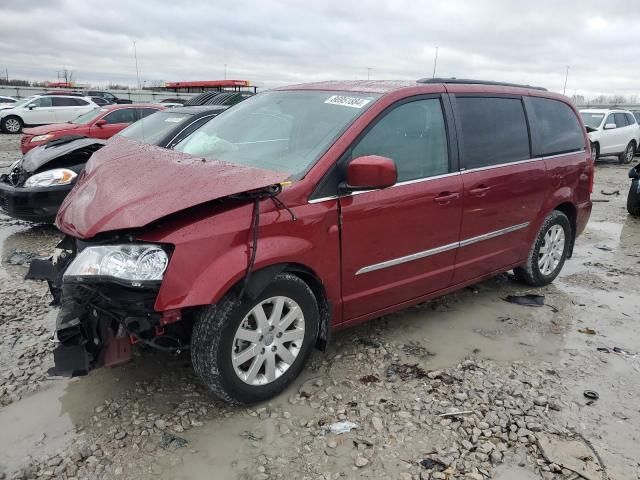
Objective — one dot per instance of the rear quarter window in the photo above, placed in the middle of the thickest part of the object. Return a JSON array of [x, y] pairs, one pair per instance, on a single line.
[[494, 131], [555, 128]]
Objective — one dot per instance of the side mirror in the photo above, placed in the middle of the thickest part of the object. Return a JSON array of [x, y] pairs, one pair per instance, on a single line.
[[369, 173], [100, 123], [31, 106], [634, 173], [610, 126]]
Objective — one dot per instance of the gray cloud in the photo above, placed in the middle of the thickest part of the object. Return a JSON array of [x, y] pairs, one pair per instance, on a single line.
[[279, 42]]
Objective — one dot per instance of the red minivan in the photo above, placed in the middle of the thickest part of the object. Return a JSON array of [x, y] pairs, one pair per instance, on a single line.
[[307, 209]]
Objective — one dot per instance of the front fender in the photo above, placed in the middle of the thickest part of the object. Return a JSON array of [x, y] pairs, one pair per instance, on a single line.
[[211, 255]]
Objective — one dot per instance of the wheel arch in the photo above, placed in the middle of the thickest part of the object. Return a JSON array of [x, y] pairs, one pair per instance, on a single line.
[[570, 210]]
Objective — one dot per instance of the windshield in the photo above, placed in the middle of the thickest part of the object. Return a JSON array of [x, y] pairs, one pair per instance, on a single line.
[[153, 128], [592, 120], [89, 116], [24, 101], [284, 131]]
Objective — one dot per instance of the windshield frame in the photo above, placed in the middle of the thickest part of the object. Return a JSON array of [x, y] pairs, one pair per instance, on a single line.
[[372, 97], [603, 115]]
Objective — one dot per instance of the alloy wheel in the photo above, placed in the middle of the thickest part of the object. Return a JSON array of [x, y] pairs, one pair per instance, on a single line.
[[268, 340], [12, 125], [628, 154], [551, 250]]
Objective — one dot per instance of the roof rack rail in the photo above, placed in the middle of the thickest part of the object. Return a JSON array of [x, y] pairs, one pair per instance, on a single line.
[[477, 82]]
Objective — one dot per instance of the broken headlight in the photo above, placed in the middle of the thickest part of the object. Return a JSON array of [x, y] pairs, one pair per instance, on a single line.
[[50, 178], [130, 262]]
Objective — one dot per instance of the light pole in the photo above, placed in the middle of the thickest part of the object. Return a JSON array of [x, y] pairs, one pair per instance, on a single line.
[[435, 62], [135, 54], [566, 77]]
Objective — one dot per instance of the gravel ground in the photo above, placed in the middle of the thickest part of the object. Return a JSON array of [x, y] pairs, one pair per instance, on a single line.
[[464, 387]]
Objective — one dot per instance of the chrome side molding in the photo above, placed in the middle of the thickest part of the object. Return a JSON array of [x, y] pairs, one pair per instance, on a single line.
[[442, 249]]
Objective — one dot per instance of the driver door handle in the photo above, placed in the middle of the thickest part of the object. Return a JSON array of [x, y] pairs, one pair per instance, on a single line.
[[446, 197]]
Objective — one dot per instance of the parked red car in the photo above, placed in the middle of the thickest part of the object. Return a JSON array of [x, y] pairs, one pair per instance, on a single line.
[[308, 209], [98, 123]]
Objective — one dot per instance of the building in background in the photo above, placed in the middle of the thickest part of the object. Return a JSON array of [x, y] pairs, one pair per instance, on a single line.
[[207, 86]]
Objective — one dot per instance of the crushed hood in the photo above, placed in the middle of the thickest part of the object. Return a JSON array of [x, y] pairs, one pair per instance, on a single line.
[[128, 185], [39, 156]]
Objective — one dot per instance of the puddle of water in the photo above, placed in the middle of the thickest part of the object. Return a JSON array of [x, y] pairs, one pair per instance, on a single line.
[[34, 425], [479, 324], [508, 472]]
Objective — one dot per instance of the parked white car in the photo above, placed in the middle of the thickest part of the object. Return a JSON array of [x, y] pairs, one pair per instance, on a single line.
[[7, 102], [612, 133], [42, 110]]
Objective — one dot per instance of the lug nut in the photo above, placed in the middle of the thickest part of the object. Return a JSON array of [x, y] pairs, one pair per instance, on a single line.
[[262, 350], [271, 328], [273, 348], [279, 334], [261, 338]]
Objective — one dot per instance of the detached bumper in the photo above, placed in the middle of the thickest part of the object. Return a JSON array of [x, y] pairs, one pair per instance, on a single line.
[[32, 204]]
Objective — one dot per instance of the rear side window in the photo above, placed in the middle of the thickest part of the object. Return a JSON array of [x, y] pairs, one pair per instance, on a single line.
[[555, 127], [494, 131], [413, 135], [63, 101], [145, 112], [620, 120], [630, 119], [78, 102]]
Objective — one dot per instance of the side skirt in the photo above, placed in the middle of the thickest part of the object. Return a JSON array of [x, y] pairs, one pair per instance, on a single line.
[[423, 298]]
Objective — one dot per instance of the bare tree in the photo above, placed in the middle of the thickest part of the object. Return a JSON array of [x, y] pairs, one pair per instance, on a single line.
[[66, 75]]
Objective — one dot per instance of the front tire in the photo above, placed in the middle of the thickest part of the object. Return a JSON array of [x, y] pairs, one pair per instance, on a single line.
[[249, 350], [12, 124], [548, 253], [595, 151], [629, 152]]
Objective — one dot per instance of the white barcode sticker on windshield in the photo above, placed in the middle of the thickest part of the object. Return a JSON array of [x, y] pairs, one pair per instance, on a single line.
[[173, 119], [346, 101]]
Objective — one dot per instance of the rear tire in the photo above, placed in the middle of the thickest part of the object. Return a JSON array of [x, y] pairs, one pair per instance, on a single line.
[[239, 348], [548, 252], [12, 124], [629, 152]]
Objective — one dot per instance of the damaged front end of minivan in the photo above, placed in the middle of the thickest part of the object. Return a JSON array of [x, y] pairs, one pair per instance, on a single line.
[[107, 273], [106, 292]]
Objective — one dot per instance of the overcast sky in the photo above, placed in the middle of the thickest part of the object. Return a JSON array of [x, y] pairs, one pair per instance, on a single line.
[[280, 42]]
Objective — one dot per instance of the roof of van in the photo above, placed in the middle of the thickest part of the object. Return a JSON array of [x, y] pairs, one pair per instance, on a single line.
[[428, 85]]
